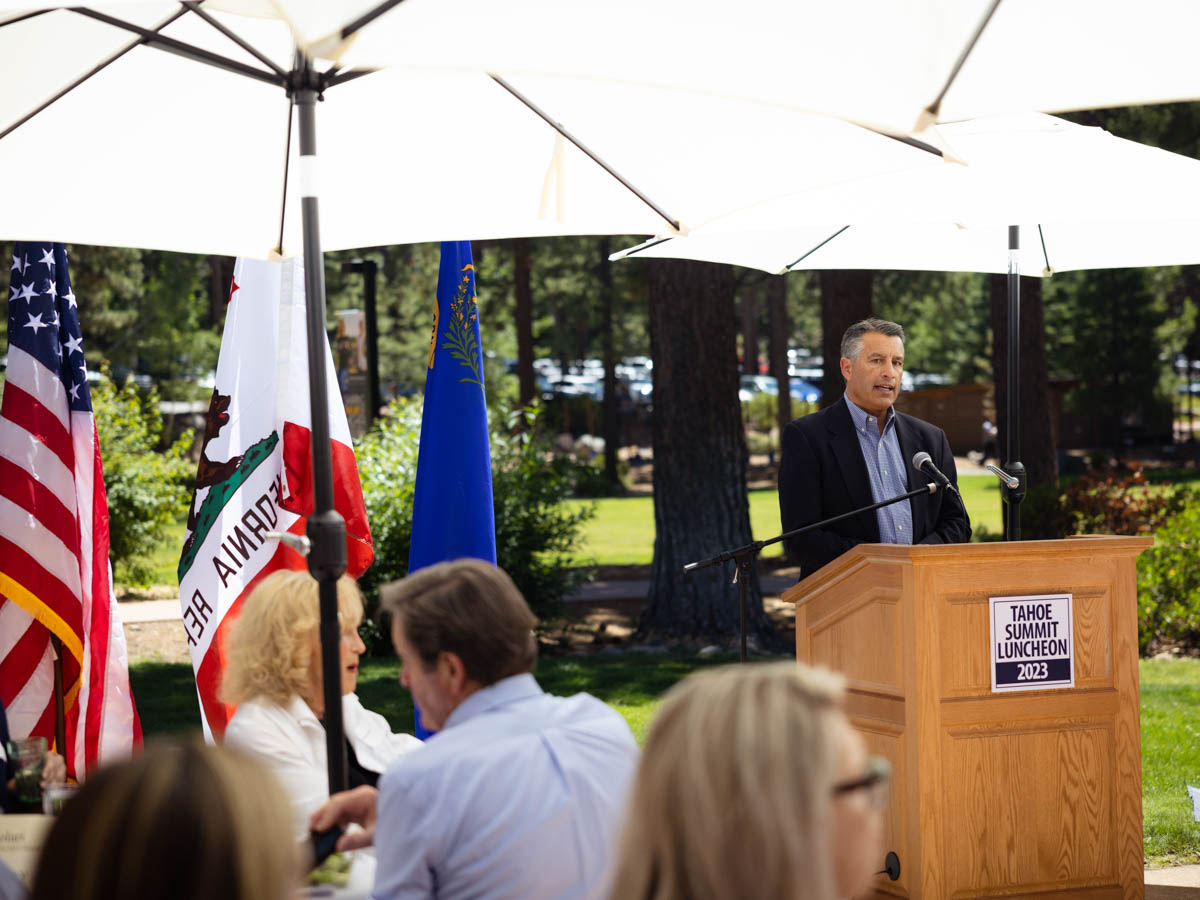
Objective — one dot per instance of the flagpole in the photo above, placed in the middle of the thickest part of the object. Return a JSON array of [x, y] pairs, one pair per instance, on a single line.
[[60, 710], [326, 528], [1012, 497]]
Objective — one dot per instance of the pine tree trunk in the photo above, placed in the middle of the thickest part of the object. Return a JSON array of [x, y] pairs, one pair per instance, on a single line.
[[700, 503], [749, 309], [522, 265], [845, 299], [777, 347], [1038, 447], [612, 424]]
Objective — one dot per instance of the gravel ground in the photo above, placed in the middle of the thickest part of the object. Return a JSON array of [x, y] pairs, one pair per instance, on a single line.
[[157, 642]]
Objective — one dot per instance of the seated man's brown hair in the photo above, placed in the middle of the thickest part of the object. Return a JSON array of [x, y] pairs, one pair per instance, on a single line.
[[470, 608]]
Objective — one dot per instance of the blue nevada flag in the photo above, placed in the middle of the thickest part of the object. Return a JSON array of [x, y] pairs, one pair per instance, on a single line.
[[452, 500]]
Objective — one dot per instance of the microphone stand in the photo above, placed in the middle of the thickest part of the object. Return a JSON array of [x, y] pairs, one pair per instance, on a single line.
[[744, 556]]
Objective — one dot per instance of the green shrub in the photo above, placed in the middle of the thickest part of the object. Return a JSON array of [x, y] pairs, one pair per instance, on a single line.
[[1169, 584], [148, 487], [535, 531], [587, 477], [387, 468], [759, 411], [1044, 515], [1116, 498]]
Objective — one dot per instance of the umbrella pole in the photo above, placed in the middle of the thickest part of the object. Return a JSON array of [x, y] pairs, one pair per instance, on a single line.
[[326, 530], [1013, 496]]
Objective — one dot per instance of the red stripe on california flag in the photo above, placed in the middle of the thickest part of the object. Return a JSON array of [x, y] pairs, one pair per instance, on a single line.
[[212, 667], [347, 492], [19, 486], [26, 410], [21, 567], [98, 628]]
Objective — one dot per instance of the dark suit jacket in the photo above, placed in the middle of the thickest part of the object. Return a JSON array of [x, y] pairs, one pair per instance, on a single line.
[[822, 473]]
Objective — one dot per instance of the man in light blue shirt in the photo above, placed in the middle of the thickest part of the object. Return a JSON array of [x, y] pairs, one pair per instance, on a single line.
[[886, 470], [519, 794]]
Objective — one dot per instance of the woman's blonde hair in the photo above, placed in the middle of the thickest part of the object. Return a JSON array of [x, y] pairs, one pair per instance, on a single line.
[[732, 797], [183, 821], [270, 646]]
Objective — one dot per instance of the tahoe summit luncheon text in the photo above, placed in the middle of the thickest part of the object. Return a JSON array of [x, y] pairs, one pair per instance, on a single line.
[[1032, 632]]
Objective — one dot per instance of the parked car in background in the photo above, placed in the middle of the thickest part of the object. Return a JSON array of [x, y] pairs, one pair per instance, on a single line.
[[767, 384]]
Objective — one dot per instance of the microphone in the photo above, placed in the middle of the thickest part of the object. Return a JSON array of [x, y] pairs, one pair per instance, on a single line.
[[924, 462]]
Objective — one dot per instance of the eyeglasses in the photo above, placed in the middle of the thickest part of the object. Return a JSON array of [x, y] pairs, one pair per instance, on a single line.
[[874, 782]]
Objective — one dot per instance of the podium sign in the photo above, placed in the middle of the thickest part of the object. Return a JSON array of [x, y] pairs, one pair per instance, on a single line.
[[1032, 642], [1000, 680]]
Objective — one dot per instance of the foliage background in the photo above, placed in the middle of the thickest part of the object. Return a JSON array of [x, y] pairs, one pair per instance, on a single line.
[[148, 485], [536, 533]]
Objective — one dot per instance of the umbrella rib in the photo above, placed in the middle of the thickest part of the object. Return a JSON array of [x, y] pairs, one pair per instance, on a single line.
[[816, 248], [333, 76], [194, 6], [912, 142], [674, 223], [1045, 255], [933, 108], [287, 160], [99, 67], [625, 254], [29, 15], [171, 45], [369, 17]]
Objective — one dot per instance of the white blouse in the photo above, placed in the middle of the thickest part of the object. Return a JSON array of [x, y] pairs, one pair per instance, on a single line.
[[289, 740]]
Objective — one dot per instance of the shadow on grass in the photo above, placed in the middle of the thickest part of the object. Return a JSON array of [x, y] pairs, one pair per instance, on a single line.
[[630, 682], [165, 694]]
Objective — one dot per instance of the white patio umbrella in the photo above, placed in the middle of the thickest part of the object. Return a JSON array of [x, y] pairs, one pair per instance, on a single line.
[[1046, 247], [107, 139], [1085, 199], [962, 57]]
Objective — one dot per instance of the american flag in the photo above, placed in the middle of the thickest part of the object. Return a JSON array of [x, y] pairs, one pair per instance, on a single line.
[[55, 576]]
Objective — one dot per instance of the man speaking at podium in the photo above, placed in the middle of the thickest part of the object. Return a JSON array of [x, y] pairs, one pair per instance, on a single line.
[[860, 451]]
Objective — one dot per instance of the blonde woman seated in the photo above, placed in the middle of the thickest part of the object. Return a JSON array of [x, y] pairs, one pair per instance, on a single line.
[[273, 673], [752, 784]]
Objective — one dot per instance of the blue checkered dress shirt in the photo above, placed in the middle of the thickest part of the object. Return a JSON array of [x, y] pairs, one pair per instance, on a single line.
[[889, 474]]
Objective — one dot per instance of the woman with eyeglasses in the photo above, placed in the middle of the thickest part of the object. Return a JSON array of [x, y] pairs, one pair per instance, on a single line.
[[752, 784], [273, 674]]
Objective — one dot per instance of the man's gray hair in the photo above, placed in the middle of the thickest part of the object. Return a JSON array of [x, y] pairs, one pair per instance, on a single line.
[[852, 339]]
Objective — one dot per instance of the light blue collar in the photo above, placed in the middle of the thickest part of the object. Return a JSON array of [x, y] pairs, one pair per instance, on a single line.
[[859, 416], [506, 690]]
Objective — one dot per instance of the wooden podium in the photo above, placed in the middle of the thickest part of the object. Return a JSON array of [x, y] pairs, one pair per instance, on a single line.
[[1024, 794]]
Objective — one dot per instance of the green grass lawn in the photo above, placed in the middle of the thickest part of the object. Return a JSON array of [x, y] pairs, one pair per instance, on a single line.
[[1170, 758], [622, 532], [163, 562], [632, 684]]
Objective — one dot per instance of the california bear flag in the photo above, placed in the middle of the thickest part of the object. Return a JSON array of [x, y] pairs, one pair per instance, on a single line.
[[255, 472]]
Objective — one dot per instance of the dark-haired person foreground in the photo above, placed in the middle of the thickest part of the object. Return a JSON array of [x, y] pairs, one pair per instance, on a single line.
[[519, 794], [180, 822], [859, 451]]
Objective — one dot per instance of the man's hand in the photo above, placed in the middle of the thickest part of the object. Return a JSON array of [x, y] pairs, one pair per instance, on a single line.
[[54, 769], [356, 807]]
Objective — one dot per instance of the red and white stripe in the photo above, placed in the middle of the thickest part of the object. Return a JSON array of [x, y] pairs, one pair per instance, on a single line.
[[55, 575]]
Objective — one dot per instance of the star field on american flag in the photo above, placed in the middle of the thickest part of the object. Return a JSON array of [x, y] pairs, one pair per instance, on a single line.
[[44, 317]]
